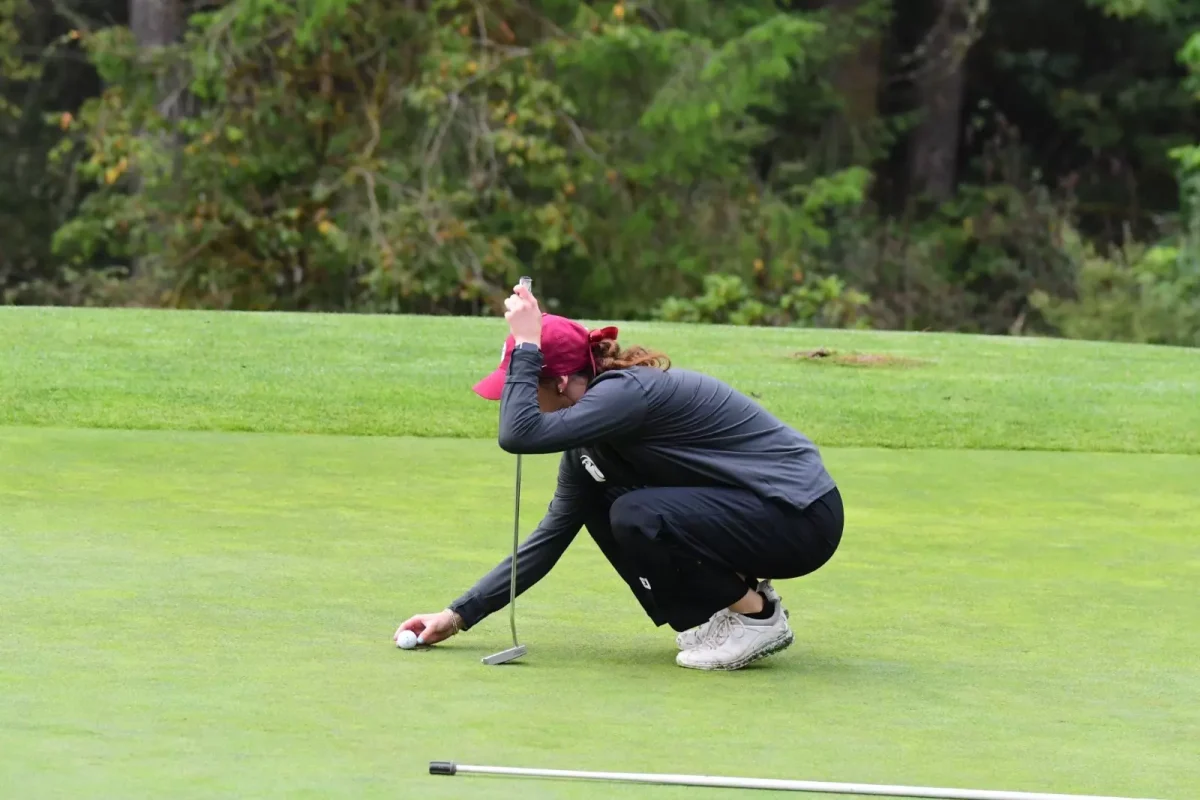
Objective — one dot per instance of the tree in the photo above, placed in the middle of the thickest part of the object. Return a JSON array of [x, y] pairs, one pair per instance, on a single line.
[[155, 23], [419, 156], [940, 84], [158, 24]]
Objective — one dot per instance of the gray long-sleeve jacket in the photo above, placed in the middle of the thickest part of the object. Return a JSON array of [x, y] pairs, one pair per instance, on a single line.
[[639, 427]]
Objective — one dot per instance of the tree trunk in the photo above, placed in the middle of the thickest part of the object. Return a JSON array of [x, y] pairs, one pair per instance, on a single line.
[[155, 24], [940, 83]]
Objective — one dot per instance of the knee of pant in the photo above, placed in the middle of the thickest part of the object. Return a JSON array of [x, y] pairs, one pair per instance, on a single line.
[[630, 517]]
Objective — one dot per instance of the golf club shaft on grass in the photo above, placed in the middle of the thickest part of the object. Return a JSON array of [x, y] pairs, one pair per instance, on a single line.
[[877, 790]]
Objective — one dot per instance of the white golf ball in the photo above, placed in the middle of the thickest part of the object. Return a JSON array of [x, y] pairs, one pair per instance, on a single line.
[[407, 640]]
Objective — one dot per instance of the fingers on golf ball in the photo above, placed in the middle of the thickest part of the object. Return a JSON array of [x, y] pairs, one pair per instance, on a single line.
[[406, 640]]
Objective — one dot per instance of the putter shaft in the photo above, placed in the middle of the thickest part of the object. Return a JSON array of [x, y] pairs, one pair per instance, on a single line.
[[512, 581], [518, 649]]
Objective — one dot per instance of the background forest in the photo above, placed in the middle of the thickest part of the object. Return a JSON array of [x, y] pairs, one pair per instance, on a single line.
[[1017, 167]]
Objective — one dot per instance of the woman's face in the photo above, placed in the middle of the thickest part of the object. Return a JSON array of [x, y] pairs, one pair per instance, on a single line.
[[555, 394]]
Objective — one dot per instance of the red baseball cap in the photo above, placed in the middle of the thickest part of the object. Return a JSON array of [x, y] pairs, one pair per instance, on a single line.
[[566, 350]]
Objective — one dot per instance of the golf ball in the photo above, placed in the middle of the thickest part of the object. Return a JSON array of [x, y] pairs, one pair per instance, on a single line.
[[407, 640]]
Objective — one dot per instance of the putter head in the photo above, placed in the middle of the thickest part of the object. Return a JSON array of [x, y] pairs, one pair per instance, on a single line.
[[505, 656]]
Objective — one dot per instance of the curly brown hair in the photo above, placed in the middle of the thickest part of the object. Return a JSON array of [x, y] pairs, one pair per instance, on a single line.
[[609, 355]]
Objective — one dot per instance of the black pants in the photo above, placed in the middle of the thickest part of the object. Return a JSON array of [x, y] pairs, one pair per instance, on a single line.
[[681, 550]]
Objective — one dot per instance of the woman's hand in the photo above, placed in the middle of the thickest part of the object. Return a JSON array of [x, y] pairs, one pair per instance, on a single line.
[[431, 628], [524, 317]]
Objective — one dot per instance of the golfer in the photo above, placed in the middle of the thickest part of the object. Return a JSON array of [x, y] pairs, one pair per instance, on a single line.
[[696, 494]]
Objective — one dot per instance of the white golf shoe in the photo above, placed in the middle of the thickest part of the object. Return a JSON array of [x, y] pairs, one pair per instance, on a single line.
[[733, 640], [692, 637]]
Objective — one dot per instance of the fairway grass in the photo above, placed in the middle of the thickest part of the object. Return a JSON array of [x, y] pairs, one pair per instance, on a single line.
[[401, 376], [209, 615]]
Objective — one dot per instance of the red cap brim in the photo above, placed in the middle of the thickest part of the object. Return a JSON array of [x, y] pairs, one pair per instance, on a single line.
[[491, 387]]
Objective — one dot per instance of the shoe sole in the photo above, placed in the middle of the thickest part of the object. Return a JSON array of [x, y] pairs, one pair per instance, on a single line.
[[776, 646]]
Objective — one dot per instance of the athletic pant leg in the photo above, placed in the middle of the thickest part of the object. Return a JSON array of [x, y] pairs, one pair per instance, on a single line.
[[688, 545], [599, 527]]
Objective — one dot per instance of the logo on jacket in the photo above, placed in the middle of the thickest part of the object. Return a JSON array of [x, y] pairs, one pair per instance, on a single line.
[[592, 469]]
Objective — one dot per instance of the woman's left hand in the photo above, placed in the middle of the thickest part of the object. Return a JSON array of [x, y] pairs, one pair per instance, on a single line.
[[524, 317]]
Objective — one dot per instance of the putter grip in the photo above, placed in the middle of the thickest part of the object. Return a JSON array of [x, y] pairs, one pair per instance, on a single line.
[[527, 282], [442, 768]]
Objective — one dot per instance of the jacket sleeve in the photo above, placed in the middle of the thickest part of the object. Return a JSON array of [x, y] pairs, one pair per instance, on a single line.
[[613, 406], [538, 553]]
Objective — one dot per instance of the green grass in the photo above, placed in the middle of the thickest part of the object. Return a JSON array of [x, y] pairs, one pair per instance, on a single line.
[[405, 376], [205, 613], [211, 613]]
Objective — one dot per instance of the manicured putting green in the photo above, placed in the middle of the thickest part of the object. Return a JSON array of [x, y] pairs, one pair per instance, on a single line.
[[209, 615]]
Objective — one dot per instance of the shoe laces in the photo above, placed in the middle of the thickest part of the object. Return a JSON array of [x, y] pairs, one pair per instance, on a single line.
[[701, 630], [722, 628]]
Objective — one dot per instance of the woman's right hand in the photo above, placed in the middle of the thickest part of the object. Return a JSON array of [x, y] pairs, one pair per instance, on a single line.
[[431, 628]]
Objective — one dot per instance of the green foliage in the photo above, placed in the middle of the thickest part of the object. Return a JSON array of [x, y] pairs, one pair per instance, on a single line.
[[1163, 10], [15, 69], [418, 157], [298, 188], [425, 177], [1149, 295], [1188, 156], [821, 302], [36, 73], [969, 265], [704, 107]]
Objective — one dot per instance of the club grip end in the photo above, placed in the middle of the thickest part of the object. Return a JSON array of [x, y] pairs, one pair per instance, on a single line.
[[442, 768], [527, 282]]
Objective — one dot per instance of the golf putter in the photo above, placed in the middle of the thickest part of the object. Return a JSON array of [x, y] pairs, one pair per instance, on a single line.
[[518, 649]]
